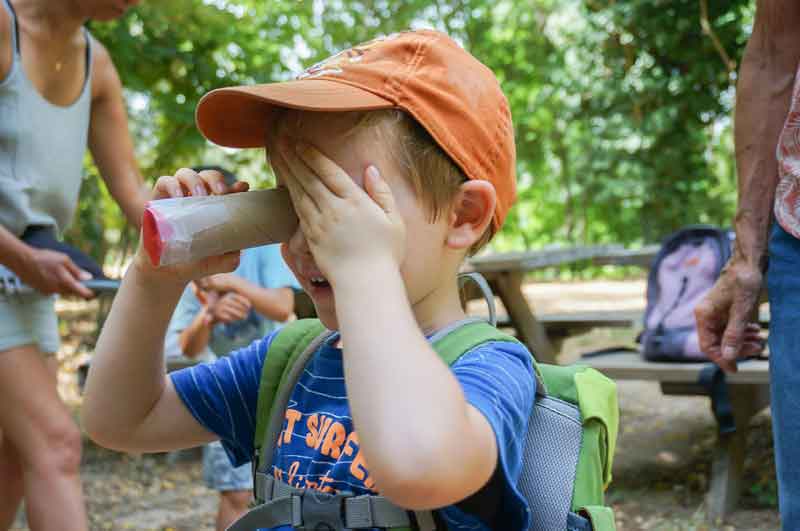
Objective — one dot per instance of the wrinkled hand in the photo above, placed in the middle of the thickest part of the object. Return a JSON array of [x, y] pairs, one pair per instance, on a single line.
[[724, 317], [229, 308], [184, 183], [345, 226], [54, 272]]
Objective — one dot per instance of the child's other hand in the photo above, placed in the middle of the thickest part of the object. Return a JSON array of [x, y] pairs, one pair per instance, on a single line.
[[230, 307], [207, 299], [219, 282], [345, 226], [185, 183]]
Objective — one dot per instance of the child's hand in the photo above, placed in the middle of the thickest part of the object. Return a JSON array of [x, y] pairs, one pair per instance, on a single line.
[[207, 299], [220, 282], [184, 183], [230, 307], [345, 226]]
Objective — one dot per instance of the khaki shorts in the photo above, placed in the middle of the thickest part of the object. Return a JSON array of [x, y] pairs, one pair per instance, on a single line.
[[28, 319]]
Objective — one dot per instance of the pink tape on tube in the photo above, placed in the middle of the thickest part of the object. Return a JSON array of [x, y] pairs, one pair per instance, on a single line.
[[155, 231]]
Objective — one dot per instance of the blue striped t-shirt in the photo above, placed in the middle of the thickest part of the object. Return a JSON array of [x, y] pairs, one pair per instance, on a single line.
[[318, 447]]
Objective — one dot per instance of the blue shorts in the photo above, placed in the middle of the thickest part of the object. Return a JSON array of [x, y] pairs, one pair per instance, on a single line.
[[218, 472], [28, 319]]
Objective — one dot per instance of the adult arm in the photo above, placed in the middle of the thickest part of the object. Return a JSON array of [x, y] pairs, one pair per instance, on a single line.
[[110, 141], [763, 96]]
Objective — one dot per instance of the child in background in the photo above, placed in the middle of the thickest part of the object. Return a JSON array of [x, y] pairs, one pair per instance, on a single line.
[[217, 315]]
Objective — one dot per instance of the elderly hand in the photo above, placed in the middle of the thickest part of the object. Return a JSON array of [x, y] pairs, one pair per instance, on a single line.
[[724, 317]]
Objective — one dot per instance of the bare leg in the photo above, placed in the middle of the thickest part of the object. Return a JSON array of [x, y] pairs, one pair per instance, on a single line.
[[11, 483], [232, 505], [46, 438]]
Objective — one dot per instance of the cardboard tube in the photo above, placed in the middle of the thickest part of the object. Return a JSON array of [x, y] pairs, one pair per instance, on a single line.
[[185, 229]]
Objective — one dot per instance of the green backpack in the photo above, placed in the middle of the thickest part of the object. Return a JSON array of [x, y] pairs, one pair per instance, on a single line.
[[567, 460]]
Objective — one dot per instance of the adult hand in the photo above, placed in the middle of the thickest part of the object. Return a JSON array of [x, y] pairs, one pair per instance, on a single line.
[[725, 328], [345, 226], [54, 272], [184, 183], [229, 308]]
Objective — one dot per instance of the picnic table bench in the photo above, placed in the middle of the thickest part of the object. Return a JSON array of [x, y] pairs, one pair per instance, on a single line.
[[748, 391], [505, 273]]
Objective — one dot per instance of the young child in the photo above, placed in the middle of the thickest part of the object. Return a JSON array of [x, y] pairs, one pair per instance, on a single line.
[[214, 317], [399, 158]]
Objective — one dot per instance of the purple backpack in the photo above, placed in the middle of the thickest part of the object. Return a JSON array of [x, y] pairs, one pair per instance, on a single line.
[[684, 270]]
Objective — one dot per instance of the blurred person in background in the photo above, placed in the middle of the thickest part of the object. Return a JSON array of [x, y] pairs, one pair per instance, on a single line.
[[218, 315], [59, 94]]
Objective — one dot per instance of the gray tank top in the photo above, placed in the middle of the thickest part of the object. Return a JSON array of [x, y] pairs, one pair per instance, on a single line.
[[41, 147]]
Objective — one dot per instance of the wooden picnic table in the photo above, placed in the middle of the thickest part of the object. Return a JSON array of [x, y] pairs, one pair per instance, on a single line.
[[505, 273], [748, 391]]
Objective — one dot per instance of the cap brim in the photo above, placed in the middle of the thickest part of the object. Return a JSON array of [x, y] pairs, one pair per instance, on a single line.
[[239, 116]]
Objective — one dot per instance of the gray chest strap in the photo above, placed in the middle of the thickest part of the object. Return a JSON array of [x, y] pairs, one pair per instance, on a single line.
[[312, 510]]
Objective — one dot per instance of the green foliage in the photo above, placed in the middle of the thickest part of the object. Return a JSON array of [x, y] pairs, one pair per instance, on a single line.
[[765, 493], [621, 108], [664, 90]]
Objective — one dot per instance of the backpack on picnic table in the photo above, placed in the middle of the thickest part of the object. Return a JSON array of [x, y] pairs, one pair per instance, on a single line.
[[684, 270], [567, 460]]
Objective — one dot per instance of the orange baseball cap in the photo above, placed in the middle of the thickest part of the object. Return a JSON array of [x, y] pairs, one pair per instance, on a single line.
[[425, 73]]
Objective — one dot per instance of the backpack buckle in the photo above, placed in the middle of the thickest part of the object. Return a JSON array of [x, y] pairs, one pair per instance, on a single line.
[[322, 511]]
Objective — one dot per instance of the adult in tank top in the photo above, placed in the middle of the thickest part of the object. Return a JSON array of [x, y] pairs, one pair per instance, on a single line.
[[59, 94], [767, 136]]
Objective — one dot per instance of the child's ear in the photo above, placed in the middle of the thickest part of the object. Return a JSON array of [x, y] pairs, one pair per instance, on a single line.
[[473, 210]]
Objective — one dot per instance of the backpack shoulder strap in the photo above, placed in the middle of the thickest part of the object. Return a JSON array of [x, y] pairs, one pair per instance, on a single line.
[[291, 341], [455, 340], [458, 338]]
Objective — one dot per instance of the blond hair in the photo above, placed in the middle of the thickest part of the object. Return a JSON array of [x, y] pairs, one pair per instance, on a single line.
[[434, 177]]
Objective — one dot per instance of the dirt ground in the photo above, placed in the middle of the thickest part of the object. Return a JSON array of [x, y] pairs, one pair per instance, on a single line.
[[661, 469]]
